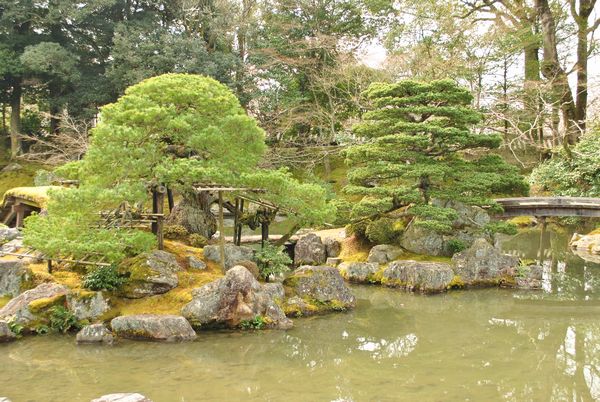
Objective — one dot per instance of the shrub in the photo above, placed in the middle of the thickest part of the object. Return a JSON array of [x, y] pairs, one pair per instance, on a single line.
[[501, 227], [272, 260], [62, 320], [197, 240], [103, 278], [175, 232], [384, 230], [456, 245], [358, 229]]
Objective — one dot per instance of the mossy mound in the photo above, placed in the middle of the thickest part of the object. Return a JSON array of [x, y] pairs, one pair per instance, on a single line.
[[36, 195]]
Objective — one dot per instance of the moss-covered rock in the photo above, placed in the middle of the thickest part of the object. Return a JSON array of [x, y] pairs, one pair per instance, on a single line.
[[31, 307], [87, 305], [426, 277], [153, 327], [359, 272], [149, 274], [321, 289]]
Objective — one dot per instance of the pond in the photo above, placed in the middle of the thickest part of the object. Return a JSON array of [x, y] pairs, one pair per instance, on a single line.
[[490, 344]]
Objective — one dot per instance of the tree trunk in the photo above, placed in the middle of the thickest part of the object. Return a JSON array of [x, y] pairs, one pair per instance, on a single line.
[[15, 120], [193, 213], [553, 71], [581, 18]]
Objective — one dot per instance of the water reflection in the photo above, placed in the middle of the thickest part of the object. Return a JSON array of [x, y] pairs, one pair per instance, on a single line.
[[491, 344]]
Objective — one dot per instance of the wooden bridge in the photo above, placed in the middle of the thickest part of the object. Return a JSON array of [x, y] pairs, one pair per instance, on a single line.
[[550, 206]]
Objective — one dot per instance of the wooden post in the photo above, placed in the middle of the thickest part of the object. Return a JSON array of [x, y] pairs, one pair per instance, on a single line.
[[235, 221], [49, 266], [20, 211], [264, 231], [221, 231], [170, 199], [158, 202], [239, 234]]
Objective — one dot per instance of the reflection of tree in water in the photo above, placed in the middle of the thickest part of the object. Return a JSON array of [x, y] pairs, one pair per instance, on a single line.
[[567, 276]]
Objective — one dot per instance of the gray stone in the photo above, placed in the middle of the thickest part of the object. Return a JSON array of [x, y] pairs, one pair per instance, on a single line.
[[7, 234], [333, 247], [530, 277], [427, 277], [322, 284], [384, 253], [483, 264], [233, 254], [422, 241], [12, 246], [6, 335], [274, 290], [131, 397], [235, 298], [310, 250], [95, 333], [4, 399], [12, 167], [153, 327], [196, 263], [361, 272], [149, 274], [468, 215], [87, 305], [13, 275], [18, 308], [333, 261]]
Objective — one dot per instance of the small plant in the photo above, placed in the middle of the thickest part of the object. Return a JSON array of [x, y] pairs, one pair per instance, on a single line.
[[62, 320], [523, 271], [15, 327], [384, 230], [272, 260], [197, 240], [103, 278], [257, 322], [42, 329], [456, 245]]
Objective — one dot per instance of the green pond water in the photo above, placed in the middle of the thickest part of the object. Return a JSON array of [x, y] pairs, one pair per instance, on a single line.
[[476, 345]]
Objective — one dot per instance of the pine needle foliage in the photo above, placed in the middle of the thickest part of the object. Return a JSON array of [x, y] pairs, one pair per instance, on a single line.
[[420, 145], [174, 129]]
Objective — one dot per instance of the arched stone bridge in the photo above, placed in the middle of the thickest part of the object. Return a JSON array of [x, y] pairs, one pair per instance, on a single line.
[[550, 206]]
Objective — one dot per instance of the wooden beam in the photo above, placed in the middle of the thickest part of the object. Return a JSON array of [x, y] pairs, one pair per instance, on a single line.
[[160, 192]]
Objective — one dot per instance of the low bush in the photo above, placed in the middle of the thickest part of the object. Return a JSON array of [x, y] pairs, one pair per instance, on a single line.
[[384, 230], [197, 240], [62, 320], [272, 260], [456, 245], [175, 232], [103, 278]]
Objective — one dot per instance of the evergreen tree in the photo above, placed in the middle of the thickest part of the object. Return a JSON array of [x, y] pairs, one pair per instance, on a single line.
[[419, 147], [175, 129]]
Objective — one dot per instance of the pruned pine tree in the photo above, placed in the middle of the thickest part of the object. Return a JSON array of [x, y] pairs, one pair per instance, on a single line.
[[420, 146]]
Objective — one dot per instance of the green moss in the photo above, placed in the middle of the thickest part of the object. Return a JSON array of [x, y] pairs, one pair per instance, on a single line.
[[456, 283], [4, 300], [426, 258], [377, 277], [18, 178], [41, 305], [83, 295]]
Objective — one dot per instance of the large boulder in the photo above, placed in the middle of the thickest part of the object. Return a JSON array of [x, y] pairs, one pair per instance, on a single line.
[[14, 277], [468, 215], [420, 240], [426, 277], [130, 397], [310, 250], [235, 299], [6, 335], [149, 274], [321, 287], [483, 264], [233, 254], [384, 253], [153, 327], [95, 333], [589, 243], [32, 305], [87, 305], [360, 272]]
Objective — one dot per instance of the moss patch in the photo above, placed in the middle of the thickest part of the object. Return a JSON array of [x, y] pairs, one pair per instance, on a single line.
[[353, 250], [4, 300], [523, 221], [456, 283], [18, 178], [41, 305], [37, 195]]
